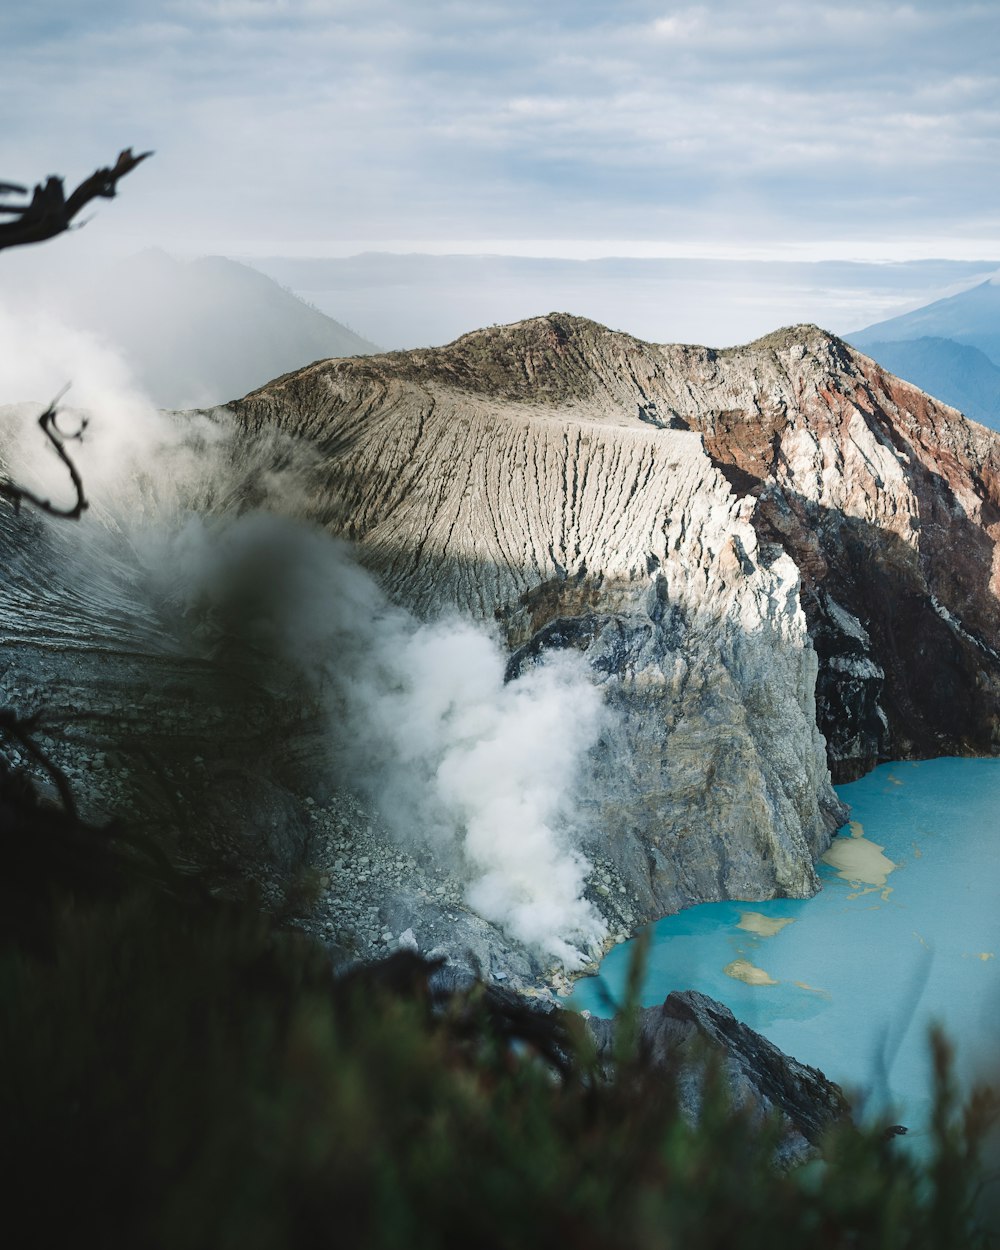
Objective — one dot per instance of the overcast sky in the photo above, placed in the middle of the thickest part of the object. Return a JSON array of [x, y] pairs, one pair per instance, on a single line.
[[573, 127]]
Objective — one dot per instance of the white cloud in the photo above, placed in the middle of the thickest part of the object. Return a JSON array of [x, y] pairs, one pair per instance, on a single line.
[[680, 27], [334, 119]]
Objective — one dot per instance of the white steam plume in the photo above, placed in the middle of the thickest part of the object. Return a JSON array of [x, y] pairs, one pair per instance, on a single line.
[[420, 717], [40, 355]]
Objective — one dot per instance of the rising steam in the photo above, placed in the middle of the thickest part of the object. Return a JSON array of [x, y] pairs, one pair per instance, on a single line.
[[420, 716], [479, 770]]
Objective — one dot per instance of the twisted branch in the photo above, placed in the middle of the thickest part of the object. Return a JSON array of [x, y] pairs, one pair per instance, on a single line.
[[50, 212], [50, 428]]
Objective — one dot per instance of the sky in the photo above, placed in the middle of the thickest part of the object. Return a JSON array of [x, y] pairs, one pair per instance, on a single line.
[[790, 129]]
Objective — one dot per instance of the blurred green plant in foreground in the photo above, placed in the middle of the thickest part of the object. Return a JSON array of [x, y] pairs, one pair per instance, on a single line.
[[180, 1072]]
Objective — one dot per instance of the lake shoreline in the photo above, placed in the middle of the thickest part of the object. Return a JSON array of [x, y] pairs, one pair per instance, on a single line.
[[904, 932]]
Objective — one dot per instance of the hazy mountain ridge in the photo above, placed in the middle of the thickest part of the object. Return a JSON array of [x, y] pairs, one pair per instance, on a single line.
[[971, 317], [196, 333], [950, 348], [410, 300]]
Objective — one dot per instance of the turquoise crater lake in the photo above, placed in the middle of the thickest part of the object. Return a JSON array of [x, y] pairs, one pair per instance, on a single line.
[[905, 931]]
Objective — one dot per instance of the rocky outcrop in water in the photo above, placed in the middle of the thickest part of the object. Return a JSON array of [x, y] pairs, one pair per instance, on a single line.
[[676, 1035]]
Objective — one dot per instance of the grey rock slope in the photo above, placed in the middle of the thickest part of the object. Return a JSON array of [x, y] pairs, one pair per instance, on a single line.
[[226, 770], [193, 735], [481, 479], [751, 550], [885, 500]]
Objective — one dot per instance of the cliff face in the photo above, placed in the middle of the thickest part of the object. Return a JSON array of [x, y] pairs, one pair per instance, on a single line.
[[759, 1075], [550, 473], [187, 750], [504, 479], [772, 559], [208, 751], [888, 503]]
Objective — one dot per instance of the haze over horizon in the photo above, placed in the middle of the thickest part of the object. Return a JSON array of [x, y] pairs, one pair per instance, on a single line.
[[769, 130], [755, 138]]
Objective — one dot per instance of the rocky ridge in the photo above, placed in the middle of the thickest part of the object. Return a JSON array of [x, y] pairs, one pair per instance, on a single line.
[[773, 558], [759, 1075], [589, 525], [887, 501], [747, 546]]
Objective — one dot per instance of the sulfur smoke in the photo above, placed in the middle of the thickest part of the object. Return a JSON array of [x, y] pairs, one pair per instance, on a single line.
[[213, 537], [420, 717]]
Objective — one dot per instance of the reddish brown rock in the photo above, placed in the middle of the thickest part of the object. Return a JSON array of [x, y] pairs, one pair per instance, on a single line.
[[889, 503]]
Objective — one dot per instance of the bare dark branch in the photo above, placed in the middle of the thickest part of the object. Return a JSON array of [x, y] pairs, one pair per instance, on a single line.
[[50, 211], [17, 495]]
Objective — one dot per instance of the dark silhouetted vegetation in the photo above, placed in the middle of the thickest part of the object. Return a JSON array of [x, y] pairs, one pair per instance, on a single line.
[[179, 1071]]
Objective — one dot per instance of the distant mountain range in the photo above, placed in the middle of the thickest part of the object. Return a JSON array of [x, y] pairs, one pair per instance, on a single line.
[[417, 300], [950, 348], [202, 332]]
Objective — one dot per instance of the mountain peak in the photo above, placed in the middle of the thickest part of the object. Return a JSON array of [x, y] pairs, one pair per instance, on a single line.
[[559, 359], [804, 334], [560, 479], [970, 317]]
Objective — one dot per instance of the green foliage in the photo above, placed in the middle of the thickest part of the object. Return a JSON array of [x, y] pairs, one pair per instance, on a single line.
[[185, 1074]]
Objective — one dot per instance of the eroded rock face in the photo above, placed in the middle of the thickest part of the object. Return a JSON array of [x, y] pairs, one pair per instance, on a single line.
[[225, 768], [887, 502], [513, 485], [749, 547], [193, 752]]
